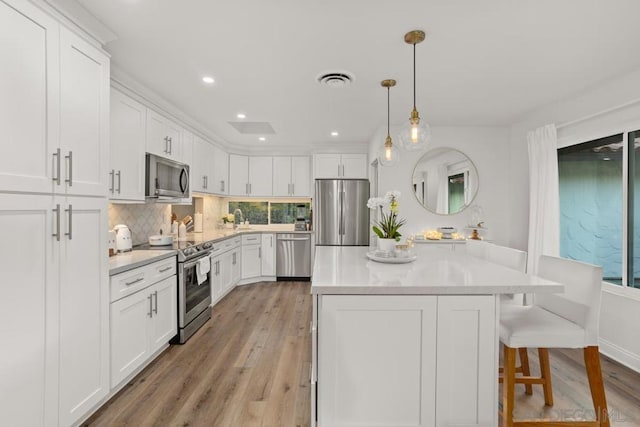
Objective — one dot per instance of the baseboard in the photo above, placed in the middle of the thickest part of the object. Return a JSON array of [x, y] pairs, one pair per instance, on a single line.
[[620, 355]]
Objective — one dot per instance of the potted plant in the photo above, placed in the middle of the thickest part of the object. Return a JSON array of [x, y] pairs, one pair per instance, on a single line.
[[228, 220], [387, 226]]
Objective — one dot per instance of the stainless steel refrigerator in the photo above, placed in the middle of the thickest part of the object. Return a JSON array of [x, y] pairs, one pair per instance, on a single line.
[[341, 216]]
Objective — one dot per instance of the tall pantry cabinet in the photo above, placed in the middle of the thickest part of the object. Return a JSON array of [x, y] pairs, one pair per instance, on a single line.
[[54, 112]]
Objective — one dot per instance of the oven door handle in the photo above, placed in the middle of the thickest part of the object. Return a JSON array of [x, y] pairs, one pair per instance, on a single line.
[[193, 262]]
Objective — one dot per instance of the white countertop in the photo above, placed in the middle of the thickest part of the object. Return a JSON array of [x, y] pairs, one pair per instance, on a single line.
[[347, 270], [129, 260], [222, 234]]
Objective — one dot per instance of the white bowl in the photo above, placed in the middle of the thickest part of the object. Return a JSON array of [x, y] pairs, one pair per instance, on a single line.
[[160, 240]]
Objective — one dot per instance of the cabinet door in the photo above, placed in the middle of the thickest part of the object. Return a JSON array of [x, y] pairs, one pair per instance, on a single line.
[[157, 140], [282, 176], [268, 255], [354, 166], [251, 265], [84, 307], [300, 176], [377, 360], [28, 311], [174, 132], [164, 322], [216, 280], [327, 166], [466, 377], [220, 184], [238, 175], [128, 125], [226, 267], [29, 84], [260, 176], [84, 116], [130, 317], [236, 272], [199, 172]]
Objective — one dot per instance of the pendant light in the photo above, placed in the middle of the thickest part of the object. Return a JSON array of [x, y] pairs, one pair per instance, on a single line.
[[388, 154], [416, 134]]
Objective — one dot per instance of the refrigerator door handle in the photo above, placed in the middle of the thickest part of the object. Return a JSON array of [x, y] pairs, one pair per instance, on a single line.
[[341, 226]]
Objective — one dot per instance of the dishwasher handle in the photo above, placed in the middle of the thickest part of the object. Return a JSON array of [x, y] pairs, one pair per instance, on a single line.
[[292, 239]]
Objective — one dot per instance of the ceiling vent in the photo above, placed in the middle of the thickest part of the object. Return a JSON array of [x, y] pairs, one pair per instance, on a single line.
[[253, 128], [336, 79]]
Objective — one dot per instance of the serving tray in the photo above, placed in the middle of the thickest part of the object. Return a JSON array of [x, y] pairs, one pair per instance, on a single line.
[[373, 256]]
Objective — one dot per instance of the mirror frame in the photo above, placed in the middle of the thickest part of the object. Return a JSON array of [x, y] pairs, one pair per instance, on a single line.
[[424, 205]]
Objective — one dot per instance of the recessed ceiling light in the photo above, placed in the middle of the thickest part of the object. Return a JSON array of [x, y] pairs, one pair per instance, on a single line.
[[334, 133], [262, 138], [241, 116], [208, 80]]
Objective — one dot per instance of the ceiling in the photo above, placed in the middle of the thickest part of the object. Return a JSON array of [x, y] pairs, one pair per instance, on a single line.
[[483, 63]]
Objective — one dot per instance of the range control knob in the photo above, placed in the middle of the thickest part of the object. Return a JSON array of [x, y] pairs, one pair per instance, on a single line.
[[189, 251], [207, 245]]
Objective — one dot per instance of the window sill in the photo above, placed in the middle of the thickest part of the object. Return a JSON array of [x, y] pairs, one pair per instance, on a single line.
[[623, 291]]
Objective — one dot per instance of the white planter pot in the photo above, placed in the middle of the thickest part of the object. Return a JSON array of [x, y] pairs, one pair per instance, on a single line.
[[387, 245]]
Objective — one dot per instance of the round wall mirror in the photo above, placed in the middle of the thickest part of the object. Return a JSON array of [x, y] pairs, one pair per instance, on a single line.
[[445, 181]]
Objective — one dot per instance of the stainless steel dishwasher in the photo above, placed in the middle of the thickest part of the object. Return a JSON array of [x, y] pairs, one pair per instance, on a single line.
[[293, 255]]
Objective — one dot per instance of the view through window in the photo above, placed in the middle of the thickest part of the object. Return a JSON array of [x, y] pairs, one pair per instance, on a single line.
[[271, 212], [593, 202]]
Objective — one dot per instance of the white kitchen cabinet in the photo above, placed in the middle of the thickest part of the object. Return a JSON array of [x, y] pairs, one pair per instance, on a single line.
[[84, 117], [340, 166], [250, 176], [164, 137], [144, 321], [268, 255], [220, 184], [202, 169], [251, 251], [394, 360], [236, 261], [225, 267], [127, 148], [29, 104], [291, 176]]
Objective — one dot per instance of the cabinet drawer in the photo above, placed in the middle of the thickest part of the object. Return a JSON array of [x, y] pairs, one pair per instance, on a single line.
[[132, 281], [251, 239]]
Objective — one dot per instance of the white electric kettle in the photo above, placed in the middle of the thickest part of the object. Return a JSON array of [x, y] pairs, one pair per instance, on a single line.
[[123, 238]]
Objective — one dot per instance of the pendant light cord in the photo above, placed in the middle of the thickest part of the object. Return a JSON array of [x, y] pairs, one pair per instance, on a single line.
[[388, 108], [414, 76]]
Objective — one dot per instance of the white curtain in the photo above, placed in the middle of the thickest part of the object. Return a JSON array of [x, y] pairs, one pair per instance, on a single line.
[[544, 199]]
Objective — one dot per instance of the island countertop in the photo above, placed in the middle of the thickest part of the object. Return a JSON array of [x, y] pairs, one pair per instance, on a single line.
[[346, 270]]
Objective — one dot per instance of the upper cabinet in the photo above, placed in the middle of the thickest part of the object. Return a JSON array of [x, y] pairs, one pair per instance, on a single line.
[[54, 107], [292, 176], [164, 137], [128, 126], [340, 166], [220, 183], [250, 176], [209, 169]]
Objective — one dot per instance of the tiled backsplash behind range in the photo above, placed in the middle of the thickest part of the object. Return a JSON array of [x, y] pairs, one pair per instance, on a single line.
[[143, 220]]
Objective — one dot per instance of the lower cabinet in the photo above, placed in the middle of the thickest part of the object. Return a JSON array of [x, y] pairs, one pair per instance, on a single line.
[[251, 256], [404, 360], [225, 268], [141, 324], [268, 255]]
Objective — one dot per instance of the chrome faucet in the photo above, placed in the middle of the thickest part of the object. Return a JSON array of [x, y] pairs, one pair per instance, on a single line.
[[237, 216]]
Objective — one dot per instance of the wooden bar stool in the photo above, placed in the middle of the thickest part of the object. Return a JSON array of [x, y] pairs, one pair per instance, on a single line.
[[569, 320]]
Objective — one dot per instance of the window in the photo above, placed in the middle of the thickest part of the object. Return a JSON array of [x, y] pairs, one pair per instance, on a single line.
[[271, 212], [598, 203]]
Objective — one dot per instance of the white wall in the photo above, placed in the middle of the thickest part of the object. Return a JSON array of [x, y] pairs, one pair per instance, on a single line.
[[486, 147], [603, 110]]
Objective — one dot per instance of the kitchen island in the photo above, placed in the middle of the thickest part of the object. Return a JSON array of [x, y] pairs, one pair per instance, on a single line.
[[410, 344]]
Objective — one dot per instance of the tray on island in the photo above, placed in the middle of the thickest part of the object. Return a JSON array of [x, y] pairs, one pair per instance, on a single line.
[[389, 257]]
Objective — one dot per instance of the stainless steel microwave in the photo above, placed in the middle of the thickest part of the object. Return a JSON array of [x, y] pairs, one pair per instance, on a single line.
[[166, 178]]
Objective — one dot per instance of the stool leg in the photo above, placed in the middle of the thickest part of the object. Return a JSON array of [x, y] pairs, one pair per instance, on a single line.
[[508, 385], [594, 373], [545, 373], [524, 363]]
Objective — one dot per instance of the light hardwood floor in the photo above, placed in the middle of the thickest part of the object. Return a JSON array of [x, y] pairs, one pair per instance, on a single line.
[[249, 366]]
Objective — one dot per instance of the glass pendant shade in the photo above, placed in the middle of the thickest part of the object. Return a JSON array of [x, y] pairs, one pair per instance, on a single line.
[[415, 136], [388, 154]]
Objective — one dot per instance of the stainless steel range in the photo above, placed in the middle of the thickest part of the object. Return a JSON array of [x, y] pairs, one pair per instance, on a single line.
[[194, 296]]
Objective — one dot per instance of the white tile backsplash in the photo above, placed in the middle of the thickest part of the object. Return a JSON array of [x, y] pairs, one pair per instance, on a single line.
[[143, 220]]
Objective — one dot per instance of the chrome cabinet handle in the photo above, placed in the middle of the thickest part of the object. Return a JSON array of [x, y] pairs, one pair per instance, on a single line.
[[119, 174], [170, 145], [293, 188], [270, 241], [57, 233], [56, 156], [155, 296], [70, 159], [70, 228], [246, 188], [204, 181], [259, 252], [150, 313], [166, 145], [222, 185], [162, 270], [338, 170], [112, 175], [139, 279]]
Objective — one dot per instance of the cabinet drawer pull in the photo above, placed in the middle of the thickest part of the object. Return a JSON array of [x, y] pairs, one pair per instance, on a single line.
[[57, 233], [70, 170], [162, 270], [56, 156], [155, 296], [170, 145], [119, 174], [112, 175], [150, 313], [70, 225], [139, 279]]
